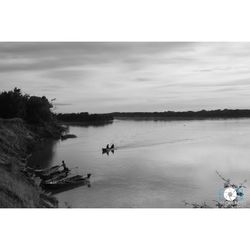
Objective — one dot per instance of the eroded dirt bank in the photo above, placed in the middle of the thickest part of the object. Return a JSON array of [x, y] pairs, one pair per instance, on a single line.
[[16, 142]]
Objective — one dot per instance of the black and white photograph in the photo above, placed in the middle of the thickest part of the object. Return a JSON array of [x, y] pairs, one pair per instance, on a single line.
[[124, 124]]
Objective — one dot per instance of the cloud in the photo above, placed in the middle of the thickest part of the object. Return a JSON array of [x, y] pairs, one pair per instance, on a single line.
[[106, 77]]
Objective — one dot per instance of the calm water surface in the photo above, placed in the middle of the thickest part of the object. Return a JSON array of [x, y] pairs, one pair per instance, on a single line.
[[157, 164]]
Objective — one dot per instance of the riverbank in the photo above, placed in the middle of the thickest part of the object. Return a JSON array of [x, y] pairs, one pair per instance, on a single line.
[[17, 140]]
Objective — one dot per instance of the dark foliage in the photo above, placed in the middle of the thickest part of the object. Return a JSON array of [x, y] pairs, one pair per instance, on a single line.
[[38, 109], [32, 109], [84, 117], [203, 114], [13, 104]]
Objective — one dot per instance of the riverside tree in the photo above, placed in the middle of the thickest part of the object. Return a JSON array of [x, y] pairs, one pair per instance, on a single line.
[[32, 109]]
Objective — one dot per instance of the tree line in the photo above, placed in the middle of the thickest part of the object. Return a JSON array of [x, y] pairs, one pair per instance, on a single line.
[[225, 113], [35, 109], [84, 117], [32, 109]]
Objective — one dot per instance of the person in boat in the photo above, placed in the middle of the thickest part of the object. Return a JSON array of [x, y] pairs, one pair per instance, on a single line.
[[112, 146], [64, 166], [107, 147]]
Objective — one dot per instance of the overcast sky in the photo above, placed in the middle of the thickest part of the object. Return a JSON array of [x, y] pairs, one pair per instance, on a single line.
[[107, 77]]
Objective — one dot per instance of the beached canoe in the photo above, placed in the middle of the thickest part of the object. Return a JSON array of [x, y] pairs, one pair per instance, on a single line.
[[66, 184], [56, 176], [48, 170]]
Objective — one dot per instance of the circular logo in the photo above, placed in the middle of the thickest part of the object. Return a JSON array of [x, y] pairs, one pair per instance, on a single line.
[[230, 194]]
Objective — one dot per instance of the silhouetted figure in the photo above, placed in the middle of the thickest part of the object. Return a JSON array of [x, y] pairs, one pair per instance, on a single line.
[[108, 149], [87, 179], [64, 166]]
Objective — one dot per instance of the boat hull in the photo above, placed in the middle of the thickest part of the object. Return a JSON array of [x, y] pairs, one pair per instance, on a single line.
[[107, 150], [66, 184], [62, 187]]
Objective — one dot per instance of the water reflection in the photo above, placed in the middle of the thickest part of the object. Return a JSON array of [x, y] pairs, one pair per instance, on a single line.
[[156, 164], [86, 125], [43, 154]]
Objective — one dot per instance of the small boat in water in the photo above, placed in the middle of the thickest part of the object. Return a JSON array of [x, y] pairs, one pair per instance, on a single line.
[[107, 150]]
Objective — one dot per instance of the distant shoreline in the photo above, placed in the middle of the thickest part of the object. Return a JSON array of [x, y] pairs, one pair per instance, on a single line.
[[175, 118], [86, 119], [185, 115]]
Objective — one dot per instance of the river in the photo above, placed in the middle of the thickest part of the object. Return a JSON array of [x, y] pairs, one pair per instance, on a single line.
[[157, 164]]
